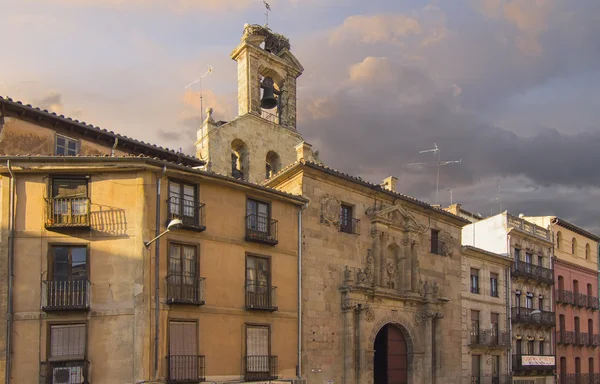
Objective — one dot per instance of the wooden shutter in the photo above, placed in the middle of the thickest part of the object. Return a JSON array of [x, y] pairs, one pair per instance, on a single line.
[[182, 338], [67, 342], [257, 341]]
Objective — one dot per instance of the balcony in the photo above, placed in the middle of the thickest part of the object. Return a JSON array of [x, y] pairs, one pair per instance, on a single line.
[[185, 289], [565, 337], [190, 212], [581, 339], [564, 297], [488, 379], [261, 297], [580, 299], [67, 212], [74, 371], [532, 272], [532, 316], [258, 368], [579, 378], [592, 303], [261, 229], [489, 338], [66, 295], [351, 226], [594, 340], [530, 363], [474, 290], [185, 368]]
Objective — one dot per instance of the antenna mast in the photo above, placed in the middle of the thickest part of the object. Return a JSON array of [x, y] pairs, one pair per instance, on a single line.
[[436, 150], [208, 72], [268, 8]]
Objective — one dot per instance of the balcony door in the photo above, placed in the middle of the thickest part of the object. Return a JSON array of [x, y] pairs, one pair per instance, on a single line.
[[183, 204], [69, 201], [258, 281], [495, 328], [183, 351], [183, 273], [257, 216], [258, 353], [495, 369], [67, 285]]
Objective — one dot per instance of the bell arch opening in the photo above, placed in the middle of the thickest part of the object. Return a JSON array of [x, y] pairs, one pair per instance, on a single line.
[[273, 164], [393, 354], [239, 159]]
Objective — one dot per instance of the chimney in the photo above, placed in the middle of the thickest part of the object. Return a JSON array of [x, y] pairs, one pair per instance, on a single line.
[[454, 209], [304, 151], [389, 183]]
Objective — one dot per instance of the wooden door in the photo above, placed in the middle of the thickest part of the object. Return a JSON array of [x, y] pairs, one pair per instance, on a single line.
[[397, 364]]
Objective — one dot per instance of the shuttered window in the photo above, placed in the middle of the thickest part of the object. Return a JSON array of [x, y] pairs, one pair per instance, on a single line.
[[257, 341], [67, 342], [182, 338]]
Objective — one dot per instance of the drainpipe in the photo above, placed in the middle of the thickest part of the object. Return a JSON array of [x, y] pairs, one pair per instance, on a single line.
[[11, 256], [508, 277], [112, 152], [299, 370], [156, 270]]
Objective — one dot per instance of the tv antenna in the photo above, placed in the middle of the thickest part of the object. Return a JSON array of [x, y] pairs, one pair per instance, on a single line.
[[450, 190], [199, 80], [439, 163], [268, 8]]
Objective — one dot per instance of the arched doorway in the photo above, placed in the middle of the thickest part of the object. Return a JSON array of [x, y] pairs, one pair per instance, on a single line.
[[390, 365]]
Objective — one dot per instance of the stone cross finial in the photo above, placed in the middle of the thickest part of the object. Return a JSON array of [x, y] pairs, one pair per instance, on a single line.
[[209, 118]]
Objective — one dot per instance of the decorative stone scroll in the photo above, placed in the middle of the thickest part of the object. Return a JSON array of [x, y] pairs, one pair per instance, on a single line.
[[370, 315], [447, 243], [422, 316]]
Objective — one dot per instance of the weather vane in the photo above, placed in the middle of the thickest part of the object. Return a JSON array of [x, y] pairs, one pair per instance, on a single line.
[[268, 8]]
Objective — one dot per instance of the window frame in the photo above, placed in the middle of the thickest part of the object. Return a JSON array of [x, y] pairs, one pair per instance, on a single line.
[[66, 147], [435, 244], [494, 289], [475, 288], [196, 246], [269, 272], [257, 325], [258, 202], [50, 259], [182, 184], [347, 227], [51, 324]]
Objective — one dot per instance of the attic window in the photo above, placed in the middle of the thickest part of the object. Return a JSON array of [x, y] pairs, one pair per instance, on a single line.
[[66, 146]]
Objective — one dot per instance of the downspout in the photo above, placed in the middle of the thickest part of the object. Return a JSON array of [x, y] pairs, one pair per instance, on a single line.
[[112, 152], [299, 370], [508, 278], [11, 252], [156, 270]]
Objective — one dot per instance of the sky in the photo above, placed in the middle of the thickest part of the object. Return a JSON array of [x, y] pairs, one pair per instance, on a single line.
[[510, 87]]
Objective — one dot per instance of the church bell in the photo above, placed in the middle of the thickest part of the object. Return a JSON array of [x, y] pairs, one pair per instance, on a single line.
[[268, 100]]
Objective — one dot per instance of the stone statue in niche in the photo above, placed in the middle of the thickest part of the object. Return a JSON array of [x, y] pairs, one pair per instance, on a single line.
[[330, 210], [392, 274], [365, 276], [436, 289]]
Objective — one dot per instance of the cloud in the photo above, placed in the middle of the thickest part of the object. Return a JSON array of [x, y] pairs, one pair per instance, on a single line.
[[172, 5], [52, 102], [376, 29]]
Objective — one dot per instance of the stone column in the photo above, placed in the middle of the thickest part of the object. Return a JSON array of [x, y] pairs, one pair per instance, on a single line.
[[427, 366], [348, 342], [405, 271], [290, 101], [383, 259], [376, 254], [414, 264]]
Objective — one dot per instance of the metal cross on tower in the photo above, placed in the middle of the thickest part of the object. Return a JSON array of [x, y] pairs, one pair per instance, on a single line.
[[439, 163], [268, 8]]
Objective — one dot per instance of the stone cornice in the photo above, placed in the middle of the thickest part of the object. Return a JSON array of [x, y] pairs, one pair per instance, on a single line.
[[576, 267]]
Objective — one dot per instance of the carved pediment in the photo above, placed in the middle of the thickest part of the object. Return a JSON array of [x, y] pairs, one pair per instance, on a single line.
[[397, 216]]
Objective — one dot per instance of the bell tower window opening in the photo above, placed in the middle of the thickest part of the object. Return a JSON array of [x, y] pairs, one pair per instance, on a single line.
[[270, 107], [273, 164], [239, 159]]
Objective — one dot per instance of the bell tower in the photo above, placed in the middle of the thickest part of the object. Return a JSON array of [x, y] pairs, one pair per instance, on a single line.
[[262, 138]]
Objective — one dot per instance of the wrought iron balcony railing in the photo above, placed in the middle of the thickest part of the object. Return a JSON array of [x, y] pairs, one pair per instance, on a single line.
[[592, 303], [488, 379], [261, 368], [65, 295], [529, 363], [532, 272], [579, 378], [489, 338], [190, 212], [351, 226], [581, 339], [261, 229], [261, 297], [564, 297], [565, 337], [532, 316], [185, 368], [67, 212], [73, 371], [594, 340], [474, 289], [580, 299], [185, 289]]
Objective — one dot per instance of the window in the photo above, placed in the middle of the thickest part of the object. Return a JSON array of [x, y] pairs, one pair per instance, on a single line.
[[541, 351], [495, 317], [66, 146], [69, 203], [494, 284], [577, 325], [541, 303], [528, 258], [183, 203], [183, 284], [574, 246], [258, 215], [273, 164], [591, 365], [239, 159], [346, 216], [541, 261], [67, 287], [518, 299], [587, 251], [519, 346], [474, 280], [435, 241], [590, 329], [529, 301], [183, 351], [475, 367], [530, 347], [67, 353], [68, 263], [517, 254], [258, 352], [561, 322], [575, 286], [577, 365], [496, 368], [558, 240], [474, 327], [257, 271]]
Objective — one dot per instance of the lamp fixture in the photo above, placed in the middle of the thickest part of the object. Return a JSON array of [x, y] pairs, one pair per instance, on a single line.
[[173, 224]]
